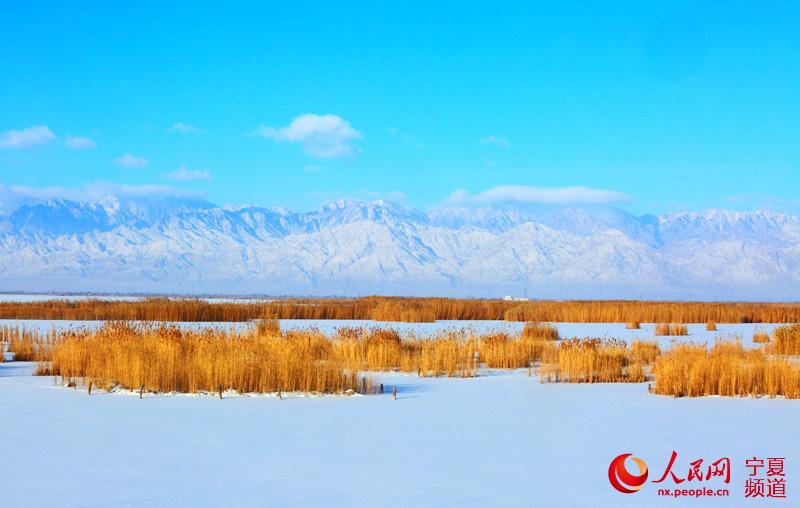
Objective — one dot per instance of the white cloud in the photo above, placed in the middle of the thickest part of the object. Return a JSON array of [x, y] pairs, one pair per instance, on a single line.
[[495, 140], [131, 161], [80, 143], [26, 138], [183, 128], [322, 136], [546, 195], [184, 174], [92, 192]]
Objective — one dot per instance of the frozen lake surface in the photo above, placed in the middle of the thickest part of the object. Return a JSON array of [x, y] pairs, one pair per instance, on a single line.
[[697, 332], [42, 297], [502, 439], [31, 297]]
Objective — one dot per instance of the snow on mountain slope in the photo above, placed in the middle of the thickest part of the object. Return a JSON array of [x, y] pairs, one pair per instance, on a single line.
[[580, 219], [353, 247]]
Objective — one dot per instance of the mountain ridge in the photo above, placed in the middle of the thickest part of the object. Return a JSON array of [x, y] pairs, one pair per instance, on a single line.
[[188, 245]]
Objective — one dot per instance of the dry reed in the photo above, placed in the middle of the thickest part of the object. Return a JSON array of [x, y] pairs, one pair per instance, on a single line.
[[268, 327], [27, 345], [711, 326], [692, 370], [671, 329], [760, 336], [263, 358], [645, 352], [166, 359], [786, 340], [503, 351], [589, 361], [633, 325], [449, 354], [407, 309], [539, 331]]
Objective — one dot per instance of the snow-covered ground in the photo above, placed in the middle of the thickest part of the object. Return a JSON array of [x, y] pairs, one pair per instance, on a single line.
[[502, 439], [42, 297]]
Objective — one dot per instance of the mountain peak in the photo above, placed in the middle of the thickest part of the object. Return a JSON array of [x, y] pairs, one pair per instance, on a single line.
[[138, 244]]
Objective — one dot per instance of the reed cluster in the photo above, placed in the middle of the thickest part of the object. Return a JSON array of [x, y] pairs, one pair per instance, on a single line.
[[407, 309], [786, 340], [760, 335], [27, 345], [590, 361], [263, 358], [727, 369], [539, 331], [268, 327], [164, 358], [501, 350], [633, 325], [711, 326], [644, 352], [450, 354], [671, 329]]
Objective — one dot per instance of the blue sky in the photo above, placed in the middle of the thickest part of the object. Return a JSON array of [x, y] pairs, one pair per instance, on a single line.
[[658, 106]]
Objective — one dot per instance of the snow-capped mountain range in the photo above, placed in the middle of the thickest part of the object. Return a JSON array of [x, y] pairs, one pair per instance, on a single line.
[[176, 245]]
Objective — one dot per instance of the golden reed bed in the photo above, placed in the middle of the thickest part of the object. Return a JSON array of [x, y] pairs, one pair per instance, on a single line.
[[408, 310], [262, 358], [728, 369], [165, 358]]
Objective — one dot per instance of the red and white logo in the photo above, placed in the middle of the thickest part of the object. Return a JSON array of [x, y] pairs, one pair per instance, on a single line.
[[624, 481]]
